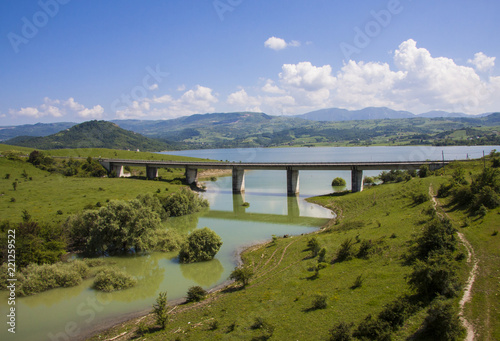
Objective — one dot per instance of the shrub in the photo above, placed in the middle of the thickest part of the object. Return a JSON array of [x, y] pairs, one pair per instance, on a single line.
[[345, 252], [358, 282], [434, 277], [368, 180], [213, 325], [266, 327], [437, 235], [365, 249], [183, 202], [168, 240], [321, 255], [420, 198], [318, 267], [338, 182], [397, 312], [495, 163], [444, 190], [195, 294], [201, 245], [242, 274], [160, 310], [462, 195], [442, 322], [112, 279], [424, 171], [341, 332], [313, 246], [487, 197], [373, 329], [319, 302]]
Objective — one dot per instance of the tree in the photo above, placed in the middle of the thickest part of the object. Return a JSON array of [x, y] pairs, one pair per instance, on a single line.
[[201, 245], [242, 274], [424, 171], [160, 309], [14, 185], [195, 294], [117, 227], [313, 246], [338, 182]]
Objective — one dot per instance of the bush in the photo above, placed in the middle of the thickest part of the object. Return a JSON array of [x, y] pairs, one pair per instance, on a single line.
[[444, 190], [160, 310], [338, 182], [321, 255], [373, 330], [112, 279], [436, 276], [319, 302], [201, 245], [313, 246], [341, 332], [183, 202], [397, 312], [242, 274], [345, 252], [365, 249], [420, 198], [462, 195], [442, 322], [358, 282], [368, 180], [195, 294], [168, 240], [437, 236], [424, 171], [487, 198]]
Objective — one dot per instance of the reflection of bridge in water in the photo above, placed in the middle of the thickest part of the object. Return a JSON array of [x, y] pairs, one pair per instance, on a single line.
[[291, 218], [292, 169]]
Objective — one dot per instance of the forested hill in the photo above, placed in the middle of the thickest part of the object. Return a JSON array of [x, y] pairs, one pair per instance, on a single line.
[[92, 134]]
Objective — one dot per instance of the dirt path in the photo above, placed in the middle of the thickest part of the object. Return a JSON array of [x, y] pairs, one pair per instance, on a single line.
[[471, 259]]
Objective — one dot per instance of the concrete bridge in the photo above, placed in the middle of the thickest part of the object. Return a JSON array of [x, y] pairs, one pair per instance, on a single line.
[[292, 169]]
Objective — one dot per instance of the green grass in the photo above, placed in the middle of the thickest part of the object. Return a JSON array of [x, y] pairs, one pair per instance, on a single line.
[[283, 288], [46, 193]]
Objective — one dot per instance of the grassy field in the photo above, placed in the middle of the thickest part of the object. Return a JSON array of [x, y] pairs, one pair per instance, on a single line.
[[283, 288], [52, 197]]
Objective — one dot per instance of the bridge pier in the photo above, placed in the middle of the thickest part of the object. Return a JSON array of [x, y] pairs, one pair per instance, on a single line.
[[292, 182], [151, 172], [356, 180], [238, 180], [191, 175], [118, 169]]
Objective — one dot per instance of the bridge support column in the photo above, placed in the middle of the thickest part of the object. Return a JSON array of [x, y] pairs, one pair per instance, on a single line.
[[118, 169], [238, 180], [356, 180], [191, 175], [292, 182], [151, 172]]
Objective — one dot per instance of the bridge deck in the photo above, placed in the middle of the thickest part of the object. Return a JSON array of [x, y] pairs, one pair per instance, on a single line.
[[279, 165]]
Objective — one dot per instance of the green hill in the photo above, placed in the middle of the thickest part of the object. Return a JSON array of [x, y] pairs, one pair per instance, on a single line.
[[92, 134]]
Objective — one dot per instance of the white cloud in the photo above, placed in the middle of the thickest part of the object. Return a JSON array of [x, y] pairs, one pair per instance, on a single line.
[[417, 82], [153, 87], [59, 108], [29, 111], [94, 113], [482, 62], [277, 44], [194, 101], [242, 102], [271, 88], [181, 87]]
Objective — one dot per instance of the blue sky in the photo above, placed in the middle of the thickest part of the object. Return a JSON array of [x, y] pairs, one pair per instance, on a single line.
[[75, 60]]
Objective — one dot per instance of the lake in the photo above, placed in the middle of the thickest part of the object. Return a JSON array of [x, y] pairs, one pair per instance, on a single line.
[[65, 314]]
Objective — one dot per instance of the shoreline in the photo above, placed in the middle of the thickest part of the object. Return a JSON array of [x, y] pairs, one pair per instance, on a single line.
[[238, 252]]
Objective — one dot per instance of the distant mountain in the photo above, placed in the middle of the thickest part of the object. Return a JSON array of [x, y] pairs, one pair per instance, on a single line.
[[39, 129], [440, 113], [92, 134], [371, 113]]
